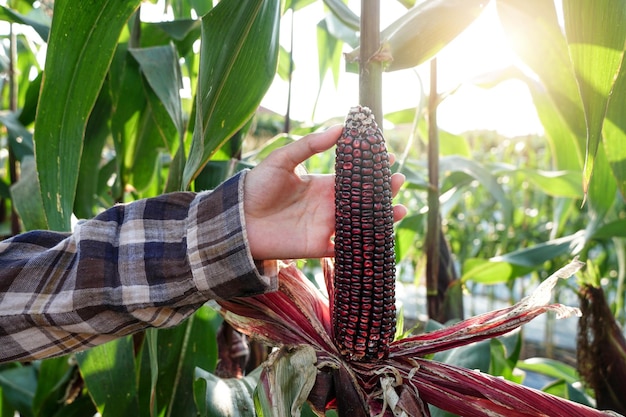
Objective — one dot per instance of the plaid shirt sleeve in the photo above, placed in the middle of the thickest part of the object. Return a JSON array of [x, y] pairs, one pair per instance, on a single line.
[[150, 263]]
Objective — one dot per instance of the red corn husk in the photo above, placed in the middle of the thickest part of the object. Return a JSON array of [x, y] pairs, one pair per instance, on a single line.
[[405, 382]]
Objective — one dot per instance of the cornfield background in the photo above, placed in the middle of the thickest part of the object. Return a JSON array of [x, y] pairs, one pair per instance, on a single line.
[[132, 109]]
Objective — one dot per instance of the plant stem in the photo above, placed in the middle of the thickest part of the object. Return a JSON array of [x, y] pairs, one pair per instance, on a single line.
[[13, 172], [370, 71], [287, 127], [433, 231]]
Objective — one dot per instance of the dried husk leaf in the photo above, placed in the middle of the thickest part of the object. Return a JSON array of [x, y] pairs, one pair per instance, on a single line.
[[601, 350], [404, 383]]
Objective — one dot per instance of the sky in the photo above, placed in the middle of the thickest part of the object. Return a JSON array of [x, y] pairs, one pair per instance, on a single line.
[[482, 48]]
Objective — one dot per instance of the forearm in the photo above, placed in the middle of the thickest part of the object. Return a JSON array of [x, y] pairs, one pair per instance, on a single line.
[[148, 263]]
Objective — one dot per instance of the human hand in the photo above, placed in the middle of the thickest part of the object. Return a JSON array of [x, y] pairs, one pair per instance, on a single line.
[[291, 215]]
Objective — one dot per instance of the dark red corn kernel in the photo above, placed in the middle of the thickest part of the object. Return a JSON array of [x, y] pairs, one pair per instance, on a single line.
[[364, 304]]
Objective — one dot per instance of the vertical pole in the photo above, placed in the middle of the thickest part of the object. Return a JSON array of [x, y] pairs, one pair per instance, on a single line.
[[13, 172], [433, 231], [370, 70]]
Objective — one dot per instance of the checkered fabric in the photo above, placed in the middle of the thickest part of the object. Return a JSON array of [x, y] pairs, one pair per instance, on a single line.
[[150, 263]]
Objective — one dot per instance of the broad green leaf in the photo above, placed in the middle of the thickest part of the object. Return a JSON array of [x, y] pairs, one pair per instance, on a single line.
[[181, 33], [503, 268], [556, 183], [343, 13], [159, 65], [542, 252], [108, 371], [339, 30], [176, 29], [286, 381], [551, 368], [487, 272], [26, 198], [179, 351], [406, 231], [500, 364], [31, 98], [533, 31], [328, 55], [128, 96], [83, 38], [284, 64], [423, 31], [217, 397], [19, 385], [296, 4], [37, 19], [405, 116], [614, 133], [238, 61], [54, 376], [595, 34], [602, 191], [449, 143], [20, 138], [175, 172], [81, 407], [616, 228], [481, 174], [5, 191], [565, 390], [201, 7], [96, 135], [5, 408], [155, 135]]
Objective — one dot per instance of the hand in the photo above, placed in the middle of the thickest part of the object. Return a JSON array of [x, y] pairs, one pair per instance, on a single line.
[[291, 215]]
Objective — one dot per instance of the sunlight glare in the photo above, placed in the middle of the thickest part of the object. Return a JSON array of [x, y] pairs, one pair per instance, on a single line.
[[482, 48]]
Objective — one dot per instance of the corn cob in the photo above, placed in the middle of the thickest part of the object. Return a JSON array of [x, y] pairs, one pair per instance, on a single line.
[[364, 313]]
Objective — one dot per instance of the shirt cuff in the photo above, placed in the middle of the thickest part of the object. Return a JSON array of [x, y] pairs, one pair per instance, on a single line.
[[217, 246]]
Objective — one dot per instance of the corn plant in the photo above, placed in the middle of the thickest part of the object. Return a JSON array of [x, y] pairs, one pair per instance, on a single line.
[[104, 121]]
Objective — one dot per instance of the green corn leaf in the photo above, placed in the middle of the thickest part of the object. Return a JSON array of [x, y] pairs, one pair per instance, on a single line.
[[284, 64], [177, 352], [533, 32], [26, 198], [423, 31], [83, 38], [159, 65], [481, 174], [54, 376], [616, 228], [614, 134], [551, 368], [237, 64], [155, 135], [343, 13], [129, 101], [19, 385], [555, 183], [36, 19], [217, 397], [329, 53], [96, 135], [501, 269], [595, 34], [20, 138], [602, 191], [295, 4], [108, 371]]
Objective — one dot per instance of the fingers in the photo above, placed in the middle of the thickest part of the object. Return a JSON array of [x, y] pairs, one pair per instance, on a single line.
[[397, 180], [299, 151], [399, 211]]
